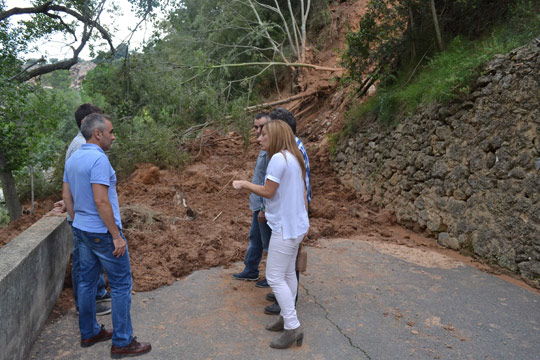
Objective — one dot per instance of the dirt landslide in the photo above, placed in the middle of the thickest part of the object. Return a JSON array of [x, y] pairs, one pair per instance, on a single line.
[[179, 222], [176, 223]]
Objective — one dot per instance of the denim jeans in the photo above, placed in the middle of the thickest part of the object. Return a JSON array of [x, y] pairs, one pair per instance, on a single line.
[[75, 264], [281, 275], [259, 237], [95, 253]]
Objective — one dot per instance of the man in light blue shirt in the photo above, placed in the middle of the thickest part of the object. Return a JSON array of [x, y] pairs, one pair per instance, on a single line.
[[89, 194], [102, 296]]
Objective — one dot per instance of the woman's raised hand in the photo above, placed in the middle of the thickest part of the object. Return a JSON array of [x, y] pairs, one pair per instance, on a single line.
[[237, 184]]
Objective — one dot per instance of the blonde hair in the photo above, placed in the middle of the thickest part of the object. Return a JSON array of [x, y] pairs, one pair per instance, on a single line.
[[281, 138]]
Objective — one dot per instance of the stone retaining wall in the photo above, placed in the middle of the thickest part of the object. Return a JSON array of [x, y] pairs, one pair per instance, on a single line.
[[32, 270], [468, 172]]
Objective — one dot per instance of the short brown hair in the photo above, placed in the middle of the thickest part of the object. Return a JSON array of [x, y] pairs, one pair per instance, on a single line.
[[84, 110]]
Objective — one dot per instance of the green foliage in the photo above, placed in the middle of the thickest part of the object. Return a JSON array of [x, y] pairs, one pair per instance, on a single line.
[[45, 183], [243, 121], [447, 75], [58, 79], [318, 23], [395, 35], [381, 37], [523, 24], [29, 115], [358, 115], [34, 126], [179, 81], [142, 140], [333, 140], [4, 216]]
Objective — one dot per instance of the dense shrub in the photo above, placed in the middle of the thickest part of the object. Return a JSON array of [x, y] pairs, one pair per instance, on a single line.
[[446, 75]]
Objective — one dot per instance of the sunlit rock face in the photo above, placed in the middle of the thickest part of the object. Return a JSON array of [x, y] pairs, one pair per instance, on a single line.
[[79, 71]]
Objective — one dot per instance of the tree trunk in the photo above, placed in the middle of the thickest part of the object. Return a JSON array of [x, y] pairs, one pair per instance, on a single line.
[[413, 35], [31, 168], [436, 24], [10, 192]]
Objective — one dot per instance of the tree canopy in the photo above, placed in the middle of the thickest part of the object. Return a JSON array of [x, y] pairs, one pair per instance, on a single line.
[[28, 113]]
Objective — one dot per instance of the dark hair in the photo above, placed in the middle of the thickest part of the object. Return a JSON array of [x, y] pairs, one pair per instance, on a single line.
[[92, 122], [84, 110], [285, 115], [262, 115]]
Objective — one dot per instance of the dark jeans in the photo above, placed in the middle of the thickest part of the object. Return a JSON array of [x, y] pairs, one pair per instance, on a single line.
[[95, 252], [75, 265], [259, 237]]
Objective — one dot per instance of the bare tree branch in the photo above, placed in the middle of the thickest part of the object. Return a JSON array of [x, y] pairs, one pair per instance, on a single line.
[[280, 102], [87, 19], [26, 68], [295, 29], [272, 41], [61, 21], [271, 63], [48, 6], [31, 10]]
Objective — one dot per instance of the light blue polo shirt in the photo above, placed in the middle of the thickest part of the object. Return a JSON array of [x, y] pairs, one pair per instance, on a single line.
[[89, 165]]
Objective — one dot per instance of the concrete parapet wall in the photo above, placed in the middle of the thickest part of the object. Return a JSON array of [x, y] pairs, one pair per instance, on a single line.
[[32, 270]]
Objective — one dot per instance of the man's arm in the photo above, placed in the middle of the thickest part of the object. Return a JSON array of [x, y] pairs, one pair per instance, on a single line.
[[261, 217], [104, 208], [68, 200], [306, 200], [59, 207]]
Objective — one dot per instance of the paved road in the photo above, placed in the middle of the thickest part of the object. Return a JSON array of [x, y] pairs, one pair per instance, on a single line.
[[358, 300]]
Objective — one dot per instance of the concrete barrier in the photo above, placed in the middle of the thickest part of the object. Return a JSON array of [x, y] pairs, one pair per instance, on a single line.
[[32, 270]]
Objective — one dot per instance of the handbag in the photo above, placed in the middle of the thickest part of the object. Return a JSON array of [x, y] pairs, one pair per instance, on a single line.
[[301, 260]]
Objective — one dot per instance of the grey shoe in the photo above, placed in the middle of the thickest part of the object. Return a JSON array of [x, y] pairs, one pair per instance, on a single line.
[[102, 309], [287, 338], [271, 297], [276, 326]]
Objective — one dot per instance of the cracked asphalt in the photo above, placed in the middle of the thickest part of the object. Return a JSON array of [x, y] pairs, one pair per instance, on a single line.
[[358, 300]]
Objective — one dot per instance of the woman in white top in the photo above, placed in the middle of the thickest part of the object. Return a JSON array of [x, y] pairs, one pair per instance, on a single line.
[[286, 214]]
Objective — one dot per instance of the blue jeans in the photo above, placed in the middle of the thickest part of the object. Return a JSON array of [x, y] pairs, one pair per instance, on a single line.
[[75, 265], [95, 253], [259, 238]]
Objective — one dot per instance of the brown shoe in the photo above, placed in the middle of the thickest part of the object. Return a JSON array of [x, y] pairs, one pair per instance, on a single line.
[[103, 335], [135, 348]]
